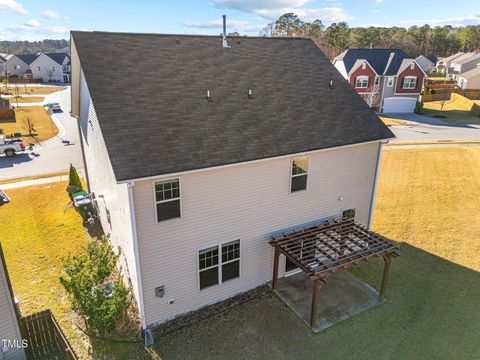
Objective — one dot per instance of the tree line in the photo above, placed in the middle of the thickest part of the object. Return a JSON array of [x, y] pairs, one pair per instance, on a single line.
[[33, 47], [416, 40]]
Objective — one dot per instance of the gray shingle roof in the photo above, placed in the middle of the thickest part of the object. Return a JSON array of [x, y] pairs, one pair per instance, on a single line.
[[149, 93], [27, 58], [377, 58], [58, 57]]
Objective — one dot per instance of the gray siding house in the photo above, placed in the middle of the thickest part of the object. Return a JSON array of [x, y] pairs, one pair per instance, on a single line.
[[10, 337], [212, 149]]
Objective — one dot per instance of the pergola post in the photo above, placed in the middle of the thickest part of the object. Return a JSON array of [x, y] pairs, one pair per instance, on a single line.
[[276, 261], [386, 270], [315, 295]]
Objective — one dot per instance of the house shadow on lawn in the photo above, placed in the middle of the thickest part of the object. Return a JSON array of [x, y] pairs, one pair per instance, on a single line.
[[430, 312]]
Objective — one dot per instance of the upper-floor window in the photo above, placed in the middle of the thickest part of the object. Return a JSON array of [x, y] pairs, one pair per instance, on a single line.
[[167, 199], [38, 68], [390, 81], [410, 82], [299, 173], [377, 80], [361, 82], [53, 68]]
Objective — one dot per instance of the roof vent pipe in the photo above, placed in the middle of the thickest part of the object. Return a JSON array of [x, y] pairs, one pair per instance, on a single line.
[[224, 37]]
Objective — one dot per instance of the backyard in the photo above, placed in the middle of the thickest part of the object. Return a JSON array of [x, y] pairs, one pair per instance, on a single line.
[[427, 200], [43, 125]]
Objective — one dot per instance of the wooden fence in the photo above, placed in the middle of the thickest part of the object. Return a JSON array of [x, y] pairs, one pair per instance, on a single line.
[[445, 94], [45, 338]]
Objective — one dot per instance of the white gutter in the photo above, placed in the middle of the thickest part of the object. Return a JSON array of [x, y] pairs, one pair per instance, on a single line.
[[133, 223], [249, 162], [375, 181]]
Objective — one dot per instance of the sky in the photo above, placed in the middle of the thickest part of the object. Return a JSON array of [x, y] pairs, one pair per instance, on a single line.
[[53, 19]]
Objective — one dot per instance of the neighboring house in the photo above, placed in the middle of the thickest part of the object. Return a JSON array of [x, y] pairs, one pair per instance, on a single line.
[[4, 103], [52, 67], [425, 63], [10, 338], [444, 63], [18, 64], [3, 60], [469, 79], [389, 80], [193, 172], [463, 64]]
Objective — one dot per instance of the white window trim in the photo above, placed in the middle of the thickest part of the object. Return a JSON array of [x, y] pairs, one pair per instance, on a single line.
[[361, 78], [390, 78], [155, 202], [405, 82], [292, 176], [219, 265]]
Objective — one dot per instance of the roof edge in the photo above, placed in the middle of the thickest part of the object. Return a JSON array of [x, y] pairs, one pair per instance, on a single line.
[[152, 177]]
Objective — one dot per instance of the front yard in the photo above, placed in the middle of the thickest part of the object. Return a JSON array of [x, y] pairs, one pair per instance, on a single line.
[[25, 99], [43, 124], [427, 199], [449, 110], [30, 90]]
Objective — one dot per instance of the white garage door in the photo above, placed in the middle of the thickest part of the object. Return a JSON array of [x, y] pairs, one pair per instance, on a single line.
[[399, 105]]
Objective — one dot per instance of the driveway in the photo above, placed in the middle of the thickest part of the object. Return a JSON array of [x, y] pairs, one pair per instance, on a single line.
[[423, 128], [53, 155]]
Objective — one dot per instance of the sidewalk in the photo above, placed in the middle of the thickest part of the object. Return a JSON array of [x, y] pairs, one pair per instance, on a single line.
[[24, 183]]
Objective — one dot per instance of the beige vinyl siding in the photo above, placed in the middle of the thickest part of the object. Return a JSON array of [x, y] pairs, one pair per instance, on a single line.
[[246, 202], [109, 194], [8, 323], [12, 64]]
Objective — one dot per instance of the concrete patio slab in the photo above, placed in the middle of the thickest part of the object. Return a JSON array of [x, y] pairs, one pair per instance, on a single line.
[[342, 297]]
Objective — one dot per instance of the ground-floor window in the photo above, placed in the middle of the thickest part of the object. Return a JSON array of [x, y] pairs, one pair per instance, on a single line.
[[215, 269]]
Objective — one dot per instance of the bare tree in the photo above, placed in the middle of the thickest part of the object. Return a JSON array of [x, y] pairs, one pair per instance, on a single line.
[[29, 126]]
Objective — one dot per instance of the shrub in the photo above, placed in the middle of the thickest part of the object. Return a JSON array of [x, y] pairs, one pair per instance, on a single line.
[[98, 301], [428, 91], [419, 107], [74, 182]]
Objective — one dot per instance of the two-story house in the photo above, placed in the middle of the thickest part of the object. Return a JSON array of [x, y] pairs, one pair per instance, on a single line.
[[389, 80], [19, 64], [463, 64], [52, 67], [3, 60], [212, 149]]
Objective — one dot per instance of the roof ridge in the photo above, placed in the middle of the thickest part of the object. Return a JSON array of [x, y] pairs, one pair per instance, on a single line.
[[189, 35]]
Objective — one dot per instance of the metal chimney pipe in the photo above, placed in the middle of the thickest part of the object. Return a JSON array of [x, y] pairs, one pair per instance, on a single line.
[[224, 40]]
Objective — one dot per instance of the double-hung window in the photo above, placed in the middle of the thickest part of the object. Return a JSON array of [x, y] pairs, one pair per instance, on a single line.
[[410, 82], [215, 268], [167, 198], [390, 81], [361, 82], [299, 173]]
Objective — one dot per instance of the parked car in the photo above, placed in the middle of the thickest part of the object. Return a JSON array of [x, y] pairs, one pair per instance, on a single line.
[[10, 146], [54, 107]]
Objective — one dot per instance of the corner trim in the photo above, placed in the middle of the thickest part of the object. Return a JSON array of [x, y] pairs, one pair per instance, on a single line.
[[375, 182], [133, 223]]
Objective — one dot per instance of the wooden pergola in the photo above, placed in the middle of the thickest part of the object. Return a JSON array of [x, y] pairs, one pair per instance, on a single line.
[[324, 249]]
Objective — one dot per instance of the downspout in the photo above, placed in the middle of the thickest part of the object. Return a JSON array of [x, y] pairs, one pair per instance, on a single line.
[[133, 224], [87, 178], [375, 181]]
